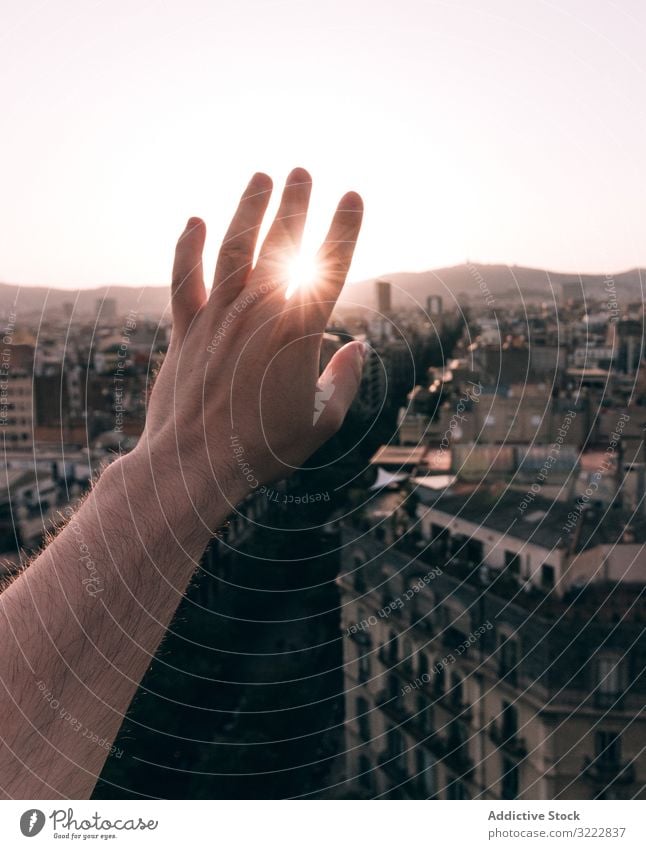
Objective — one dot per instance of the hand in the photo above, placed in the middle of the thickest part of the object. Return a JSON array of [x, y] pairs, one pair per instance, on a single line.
[[238, 401]]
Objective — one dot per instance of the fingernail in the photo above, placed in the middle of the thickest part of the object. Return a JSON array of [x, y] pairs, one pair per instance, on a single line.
[[362, 353], [192, 222], [260, 177], [352, 202], [298, 176]]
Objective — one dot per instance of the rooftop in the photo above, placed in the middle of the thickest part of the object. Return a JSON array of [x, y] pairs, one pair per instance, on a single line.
[[399, 455], [543, 522]]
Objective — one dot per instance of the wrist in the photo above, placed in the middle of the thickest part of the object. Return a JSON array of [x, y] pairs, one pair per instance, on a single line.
[[193, 498]]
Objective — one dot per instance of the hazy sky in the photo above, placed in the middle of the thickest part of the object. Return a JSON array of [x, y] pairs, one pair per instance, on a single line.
[[497, 130]]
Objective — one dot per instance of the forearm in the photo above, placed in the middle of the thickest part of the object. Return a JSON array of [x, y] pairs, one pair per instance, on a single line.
[[82, 623]]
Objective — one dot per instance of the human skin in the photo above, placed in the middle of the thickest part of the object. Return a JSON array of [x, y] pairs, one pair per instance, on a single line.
[[232, 408]]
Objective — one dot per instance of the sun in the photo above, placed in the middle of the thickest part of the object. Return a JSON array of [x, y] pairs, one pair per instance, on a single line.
[[302, 272]]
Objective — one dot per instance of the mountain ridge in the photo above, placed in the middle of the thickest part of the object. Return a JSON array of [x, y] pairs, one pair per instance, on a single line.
[[470, 281]]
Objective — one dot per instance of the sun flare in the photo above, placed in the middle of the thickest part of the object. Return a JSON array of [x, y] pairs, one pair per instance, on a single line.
[[302, 272]]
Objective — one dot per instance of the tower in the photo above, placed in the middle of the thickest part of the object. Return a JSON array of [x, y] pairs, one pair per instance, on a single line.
[[384, 297]]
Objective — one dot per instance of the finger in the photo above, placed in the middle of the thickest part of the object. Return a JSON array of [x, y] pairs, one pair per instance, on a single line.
[[236, 254], [187, 284], [334, 258], [284, 237], [337, 387]]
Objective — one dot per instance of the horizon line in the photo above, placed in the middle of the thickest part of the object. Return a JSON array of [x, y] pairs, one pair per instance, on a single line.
[[382, 276]]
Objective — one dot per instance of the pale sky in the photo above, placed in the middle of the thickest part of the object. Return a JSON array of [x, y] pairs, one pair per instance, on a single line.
[[506, 131]]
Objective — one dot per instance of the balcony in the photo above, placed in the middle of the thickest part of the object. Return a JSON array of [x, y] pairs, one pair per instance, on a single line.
[[422, 729], [454, 639], [394, 607], [453, 753], [456, 757], [508, 739], [392, 765], [387, 657], [422, 790], [381, 698], [423, 623], [393, 706], [436, 743], [458, 708], [406, 669], [361, 639], [607, 772]]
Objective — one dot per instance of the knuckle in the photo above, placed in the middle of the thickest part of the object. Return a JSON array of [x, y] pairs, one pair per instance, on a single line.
[[336, 269], [234, 257]]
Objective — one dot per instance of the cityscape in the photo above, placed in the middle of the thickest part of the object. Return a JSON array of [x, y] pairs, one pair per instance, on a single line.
[[446, 602]]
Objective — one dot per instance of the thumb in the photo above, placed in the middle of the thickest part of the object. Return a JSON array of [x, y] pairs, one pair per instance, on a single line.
[[337, 386]]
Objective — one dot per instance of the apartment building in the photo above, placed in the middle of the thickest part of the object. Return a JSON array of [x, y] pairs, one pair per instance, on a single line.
[[16, 417], [489, 661]]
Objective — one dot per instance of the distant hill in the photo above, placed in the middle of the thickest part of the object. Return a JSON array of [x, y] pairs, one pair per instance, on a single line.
[[146, 300], [503, 282], [472, 281]]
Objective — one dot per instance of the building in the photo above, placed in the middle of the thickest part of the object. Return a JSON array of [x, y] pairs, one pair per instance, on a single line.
[[513, 414], [434, 305], [373, 390], [16, 416], [16, 397], [484, 662], [434, 312], [384, 297], [626, 337]]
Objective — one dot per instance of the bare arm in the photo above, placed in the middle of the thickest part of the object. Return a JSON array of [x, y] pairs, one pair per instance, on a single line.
[[232, 408]]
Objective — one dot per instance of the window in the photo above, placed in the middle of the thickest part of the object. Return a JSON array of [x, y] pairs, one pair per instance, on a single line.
[[408, 653], [363, 718], [365, 772], [610, 681], [395, 743], [422, 608], [456, 790], [425, 764], [508, 721], [422, 663], [607, 747], [437, 531], [548, 576], [456, 690], [458, 736], [509, 783], [393, 651], [512, 562], [508, 657], [359, 573], [394, 689], [364, 667], [438, 681], [475, 551], [608, 675], [424, 715], [457, 623], [457, 545]]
